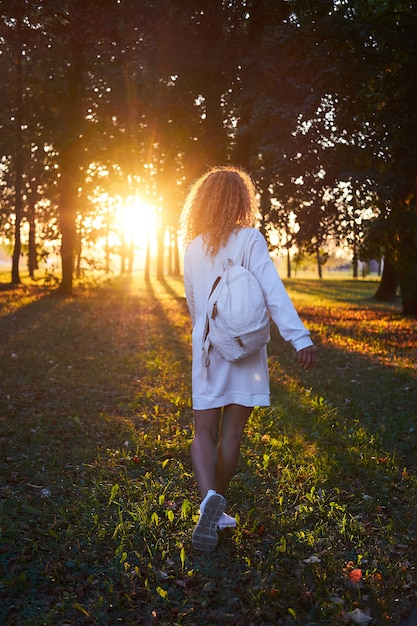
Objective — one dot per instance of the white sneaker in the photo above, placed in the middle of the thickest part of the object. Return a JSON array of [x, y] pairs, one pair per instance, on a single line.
[[205, 533], [226, 521]]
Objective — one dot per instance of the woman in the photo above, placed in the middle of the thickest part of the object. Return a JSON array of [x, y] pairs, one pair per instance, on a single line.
[[219, 209]]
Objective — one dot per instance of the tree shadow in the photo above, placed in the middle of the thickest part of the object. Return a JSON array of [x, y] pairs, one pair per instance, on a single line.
[[8, 286], [79, 354]]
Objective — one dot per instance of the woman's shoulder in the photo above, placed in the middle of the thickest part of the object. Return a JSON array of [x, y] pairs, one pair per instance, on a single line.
[[251, 234], [250, 230], [194, 244], [254, 245]]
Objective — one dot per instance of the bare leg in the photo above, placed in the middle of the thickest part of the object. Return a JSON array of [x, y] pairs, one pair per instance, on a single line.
[[203, 448], [232, 425]]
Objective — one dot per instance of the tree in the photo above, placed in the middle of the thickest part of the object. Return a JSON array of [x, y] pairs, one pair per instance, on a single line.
[[397, 126], [24, 121], [13, 38], [382, 104]]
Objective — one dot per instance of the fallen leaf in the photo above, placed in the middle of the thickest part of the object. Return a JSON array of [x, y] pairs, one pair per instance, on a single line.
[[359, 617], [354, 578], [312, 559]]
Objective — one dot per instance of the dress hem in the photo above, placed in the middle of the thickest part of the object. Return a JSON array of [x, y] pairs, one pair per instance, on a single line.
[[204, 403]]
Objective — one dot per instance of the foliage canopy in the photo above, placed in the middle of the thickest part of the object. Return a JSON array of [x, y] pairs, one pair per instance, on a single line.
[[316, 100]]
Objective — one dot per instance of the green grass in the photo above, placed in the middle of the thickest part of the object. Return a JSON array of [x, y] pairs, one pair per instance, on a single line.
[[97, 496]]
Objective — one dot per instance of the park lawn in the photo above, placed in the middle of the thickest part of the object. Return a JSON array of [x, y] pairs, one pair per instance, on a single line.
[[97, 497]]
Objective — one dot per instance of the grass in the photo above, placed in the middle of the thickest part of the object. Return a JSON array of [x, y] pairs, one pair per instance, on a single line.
[[97, 496]]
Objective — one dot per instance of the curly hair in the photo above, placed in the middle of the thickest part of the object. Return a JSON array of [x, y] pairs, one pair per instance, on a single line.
[[218, 202]]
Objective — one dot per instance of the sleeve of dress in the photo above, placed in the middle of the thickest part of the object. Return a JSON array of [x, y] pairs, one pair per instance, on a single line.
[[188, 285], [278, 302]]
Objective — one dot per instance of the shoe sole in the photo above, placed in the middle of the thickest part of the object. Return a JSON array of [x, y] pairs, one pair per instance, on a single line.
[[226, 526], [205, 536]]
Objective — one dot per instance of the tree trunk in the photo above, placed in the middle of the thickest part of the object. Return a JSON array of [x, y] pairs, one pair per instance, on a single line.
[[32, 255], [160, 253], [408, 279], [319, 265], [288, 263], [409, 301], [355, 259], [18, 158], [67, 213], [148, 258], [71, 153], [407, 260], [355, 266], [170, 251], [18, 219], [387, 287], [78, 253], [176, 255]]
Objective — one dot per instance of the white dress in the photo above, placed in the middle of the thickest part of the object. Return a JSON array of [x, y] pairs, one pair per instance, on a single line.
[[244, 382]]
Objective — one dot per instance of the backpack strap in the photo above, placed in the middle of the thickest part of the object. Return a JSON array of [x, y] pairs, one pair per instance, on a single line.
[[241, 249]]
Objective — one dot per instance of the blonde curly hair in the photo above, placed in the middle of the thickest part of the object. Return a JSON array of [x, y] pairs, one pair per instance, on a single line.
[[218, 202]]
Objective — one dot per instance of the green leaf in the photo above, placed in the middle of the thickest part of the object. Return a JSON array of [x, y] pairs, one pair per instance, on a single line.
[[114, 492], [185, 509], [182, 557], [162, 593]]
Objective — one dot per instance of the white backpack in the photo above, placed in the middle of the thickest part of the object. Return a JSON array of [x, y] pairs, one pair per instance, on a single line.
[[237, 322]]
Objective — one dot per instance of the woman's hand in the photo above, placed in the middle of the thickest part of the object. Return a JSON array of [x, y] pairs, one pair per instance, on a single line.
[[307, 357]]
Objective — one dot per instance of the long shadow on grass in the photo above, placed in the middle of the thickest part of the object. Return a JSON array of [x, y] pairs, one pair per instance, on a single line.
[[170, 291], [80, 378], [342, 291], [365, 393], [77, 355], [72, 359]]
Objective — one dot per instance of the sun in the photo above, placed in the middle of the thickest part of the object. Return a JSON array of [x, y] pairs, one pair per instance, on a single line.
[[138, 222], [126, 227]]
